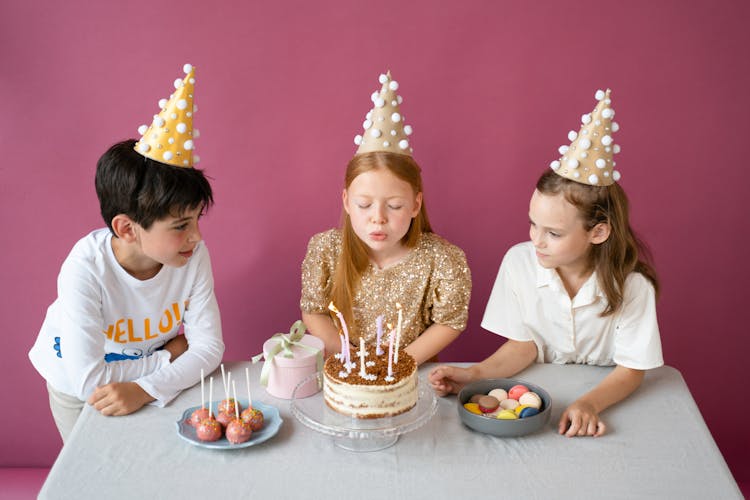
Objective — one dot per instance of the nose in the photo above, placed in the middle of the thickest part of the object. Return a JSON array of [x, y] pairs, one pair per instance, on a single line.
[[195, 234], [536, 238], [378, 215]]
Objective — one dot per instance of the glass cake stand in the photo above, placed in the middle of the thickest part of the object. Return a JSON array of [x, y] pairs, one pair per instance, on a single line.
[[357, 434]]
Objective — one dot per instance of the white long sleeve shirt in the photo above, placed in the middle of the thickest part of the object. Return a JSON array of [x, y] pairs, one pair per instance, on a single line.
[[108, 326]]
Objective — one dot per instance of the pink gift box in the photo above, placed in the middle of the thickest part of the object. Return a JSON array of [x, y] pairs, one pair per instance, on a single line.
[[285, 373]]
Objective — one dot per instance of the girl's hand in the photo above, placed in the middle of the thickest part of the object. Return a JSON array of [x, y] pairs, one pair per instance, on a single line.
[[176, 347], [119, 398], [581, 419], [449, 379]]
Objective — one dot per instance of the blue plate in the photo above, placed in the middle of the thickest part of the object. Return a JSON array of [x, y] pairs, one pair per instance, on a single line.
[[271, 423]]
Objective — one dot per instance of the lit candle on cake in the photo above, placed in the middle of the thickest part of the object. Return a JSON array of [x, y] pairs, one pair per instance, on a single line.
[[362, 371], [379, 323], [346, 352], [398, 330]]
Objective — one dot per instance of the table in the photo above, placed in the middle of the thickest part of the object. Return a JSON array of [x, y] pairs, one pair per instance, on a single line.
[[657, 446]]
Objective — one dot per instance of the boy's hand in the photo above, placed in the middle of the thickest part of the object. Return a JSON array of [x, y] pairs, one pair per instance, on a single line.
[[449, 379], [581, 419], [120, 398], [176, 347]]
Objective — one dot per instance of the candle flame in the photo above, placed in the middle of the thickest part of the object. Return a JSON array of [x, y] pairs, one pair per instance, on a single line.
[[398, 306]]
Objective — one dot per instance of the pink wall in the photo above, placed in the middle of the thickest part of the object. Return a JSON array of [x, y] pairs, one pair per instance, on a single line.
[[491, 88]]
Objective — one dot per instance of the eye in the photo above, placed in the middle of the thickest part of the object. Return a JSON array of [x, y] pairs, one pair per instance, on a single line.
[[395, 207], [364, 205], [554, 234], [181, 227]]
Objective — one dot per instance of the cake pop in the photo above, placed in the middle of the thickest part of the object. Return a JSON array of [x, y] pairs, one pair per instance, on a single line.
[[228, 404], [251, 415], [209, 429], [238, 431], [202, 412]]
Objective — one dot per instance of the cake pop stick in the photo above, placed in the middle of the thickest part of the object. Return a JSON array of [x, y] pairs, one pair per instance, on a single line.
[[203, 393], [236, 407], [247, 379], [223, 378], [210, 395]]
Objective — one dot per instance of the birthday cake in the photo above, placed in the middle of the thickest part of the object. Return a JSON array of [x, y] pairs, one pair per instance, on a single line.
[[374, 394]]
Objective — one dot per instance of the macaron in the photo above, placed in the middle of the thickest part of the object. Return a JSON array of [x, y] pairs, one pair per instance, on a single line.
[[475, 398], [518, 409], [488, 404], [508, 404], [498, 394], [528, 411], [473, 408], [516, 391], [507, 415], [531, 399]]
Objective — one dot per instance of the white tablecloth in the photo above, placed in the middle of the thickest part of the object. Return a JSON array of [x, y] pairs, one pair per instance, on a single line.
[[657, 446]]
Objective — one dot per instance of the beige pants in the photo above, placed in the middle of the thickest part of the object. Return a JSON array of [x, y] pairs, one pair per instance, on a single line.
[[65, 410]]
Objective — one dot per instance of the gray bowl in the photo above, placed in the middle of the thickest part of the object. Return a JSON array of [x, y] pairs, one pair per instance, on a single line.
[[502, 428]]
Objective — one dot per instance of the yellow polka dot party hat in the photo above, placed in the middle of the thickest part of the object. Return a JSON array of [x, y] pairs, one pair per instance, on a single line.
[[169, 138], [589, 159], [384, 128]]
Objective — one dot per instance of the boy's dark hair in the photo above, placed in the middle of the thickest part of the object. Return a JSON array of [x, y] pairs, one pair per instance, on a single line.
[[146, 190]]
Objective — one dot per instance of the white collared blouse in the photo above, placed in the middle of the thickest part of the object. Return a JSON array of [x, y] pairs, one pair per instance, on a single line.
[[529, 302]]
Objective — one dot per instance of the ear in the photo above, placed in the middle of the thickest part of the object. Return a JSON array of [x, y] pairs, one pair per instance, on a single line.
[[124, 228], [345, 200], [417, 205], [599, 233]]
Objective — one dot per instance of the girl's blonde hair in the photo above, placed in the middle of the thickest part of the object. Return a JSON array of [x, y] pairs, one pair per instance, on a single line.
[[353, 260], [622, 252]]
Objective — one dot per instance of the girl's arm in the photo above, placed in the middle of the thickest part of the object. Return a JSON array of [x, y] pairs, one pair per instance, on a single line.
[[512, 357], [322, 326], [431, 341], [582, 417]]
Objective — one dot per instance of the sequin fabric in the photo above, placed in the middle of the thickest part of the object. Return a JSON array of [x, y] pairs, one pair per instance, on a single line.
[[432, 283]]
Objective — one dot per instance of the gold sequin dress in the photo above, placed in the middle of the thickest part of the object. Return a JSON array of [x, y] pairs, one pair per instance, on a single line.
[[432, 283]]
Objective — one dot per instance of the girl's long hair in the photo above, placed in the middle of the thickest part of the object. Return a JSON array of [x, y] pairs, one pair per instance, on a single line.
[[354, 259], [623, 252]]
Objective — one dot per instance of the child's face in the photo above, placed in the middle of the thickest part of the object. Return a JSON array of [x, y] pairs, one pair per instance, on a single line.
[[381, 207], [171, 241], [558, 234]]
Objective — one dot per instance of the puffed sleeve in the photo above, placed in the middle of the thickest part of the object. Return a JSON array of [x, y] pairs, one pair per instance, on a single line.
[[451, 288], [317, 271], [637, 340]]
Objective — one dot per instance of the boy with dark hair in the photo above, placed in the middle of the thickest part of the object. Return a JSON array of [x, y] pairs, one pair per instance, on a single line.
[[112, 336]]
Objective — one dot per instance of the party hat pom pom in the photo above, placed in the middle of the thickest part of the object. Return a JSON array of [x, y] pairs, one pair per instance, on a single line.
[[393, 85], [143, 147], [366, 124], [195, 108], [573, 163], [600, 163], [188, 145], [178, 83], [182, 104], [142, 129], [616, 175], [187, 68], [408, 130], [616, 149], [563, 149], [608, 112], [196, 159], [584, 143], [572, 135], [162, 103], [379, 102], [593, 179], [375, 133], [403, 144], [599, 95], [607, 140], [586, 119], [357, 139], [181, 128], [615, 126], [383, 78], [395, 117], [168, 155], [554, 165]]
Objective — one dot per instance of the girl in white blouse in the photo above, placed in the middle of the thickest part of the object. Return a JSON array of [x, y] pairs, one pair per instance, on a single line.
[[578, 292]]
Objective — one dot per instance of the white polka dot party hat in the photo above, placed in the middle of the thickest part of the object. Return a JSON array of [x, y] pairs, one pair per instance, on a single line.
[[384, 128], [169, 138], [589, 158]]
